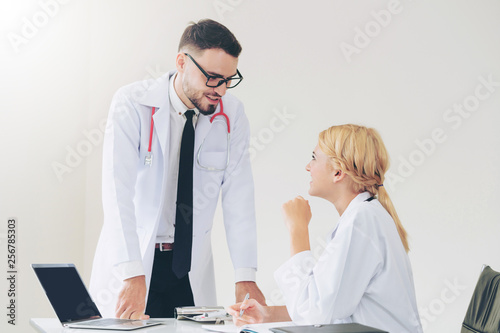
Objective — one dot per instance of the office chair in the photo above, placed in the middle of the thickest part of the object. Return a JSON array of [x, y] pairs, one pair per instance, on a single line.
[[483, 314]]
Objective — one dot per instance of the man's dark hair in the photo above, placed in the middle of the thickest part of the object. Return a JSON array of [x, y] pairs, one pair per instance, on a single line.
[[209, 34]]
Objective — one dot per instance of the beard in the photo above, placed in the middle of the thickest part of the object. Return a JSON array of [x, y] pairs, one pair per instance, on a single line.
[[210, 109], [197, 99]]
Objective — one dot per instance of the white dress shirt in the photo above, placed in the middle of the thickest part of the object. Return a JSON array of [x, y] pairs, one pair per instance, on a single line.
[[166, 229]]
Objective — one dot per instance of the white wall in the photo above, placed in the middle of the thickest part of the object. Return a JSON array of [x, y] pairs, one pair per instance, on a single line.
[[57, 85]]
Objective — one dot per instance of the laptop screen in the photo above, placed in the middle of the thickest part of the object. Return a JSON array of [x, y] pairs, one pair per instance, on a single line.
[[66, 292]]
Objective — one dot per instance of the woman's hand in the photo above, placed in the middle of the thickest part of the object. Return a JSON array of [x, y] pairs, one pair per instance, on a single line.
[[254, 312], [297, 214]]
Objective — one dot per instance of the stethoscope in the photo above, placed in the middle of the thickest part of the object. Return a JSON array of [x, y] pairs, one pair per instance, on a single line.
[[148, 161]]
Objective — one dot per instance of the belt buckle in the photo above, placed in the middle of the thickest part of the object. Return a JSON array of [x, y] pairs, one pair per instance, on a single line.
[[167, 248]]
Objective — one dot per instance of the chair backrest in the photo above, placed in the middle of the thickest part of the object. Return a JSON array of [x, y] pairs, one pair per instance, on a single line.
[[483, 314]]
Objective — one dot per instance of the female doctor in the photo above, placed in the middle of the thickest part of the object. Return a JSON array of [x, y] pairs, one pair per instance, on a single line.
[[364, 275]]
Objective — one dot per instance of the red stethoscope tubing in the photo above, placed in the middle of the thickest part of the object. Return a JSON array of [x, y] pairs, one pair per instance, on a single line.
[[220, 113], [151, 131]]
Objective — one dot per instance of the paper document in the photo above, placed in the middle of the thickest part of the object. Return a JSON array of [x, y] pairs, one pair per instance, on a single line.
[[227, 328], [252, 328]]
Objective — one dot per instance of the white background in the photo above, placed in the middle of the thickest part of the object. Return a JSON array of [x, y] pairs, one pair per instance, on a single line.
[[58, 77]]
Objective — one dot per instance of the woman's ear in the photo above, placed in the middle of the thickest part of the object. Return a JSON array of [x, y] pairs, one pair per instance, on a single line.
[[338, 175]]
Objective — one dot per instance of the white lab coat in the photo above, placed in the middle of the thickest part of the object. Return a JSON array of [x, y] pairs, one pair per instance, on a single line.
[[363, 275], [133, 194]]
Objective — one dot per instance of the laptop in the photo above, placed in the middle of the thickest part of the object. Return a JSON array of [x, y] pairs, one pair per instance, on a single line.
[[72, 303]]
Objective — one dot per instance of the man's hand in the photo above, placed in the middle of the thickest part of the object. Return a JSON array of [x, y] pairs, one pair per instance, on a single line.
[[244, 287], [132, 299]]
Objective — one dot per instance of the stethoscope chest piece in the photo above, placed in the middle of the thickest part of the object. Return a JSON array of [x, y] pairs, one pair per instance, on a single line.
[[148, 160]]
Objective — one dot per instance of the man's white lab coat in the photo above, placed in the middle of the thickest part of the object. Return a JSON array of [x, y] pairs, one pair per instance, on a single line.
[[134, 194]]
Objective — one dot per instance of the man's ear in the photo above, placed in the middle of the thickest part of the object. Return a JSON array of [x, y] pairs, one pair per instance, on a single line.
[[180, 62], [338, 175]]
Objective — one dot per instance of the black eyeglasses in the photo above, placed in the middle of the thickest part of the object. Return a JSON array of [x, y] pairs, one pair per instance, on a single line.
[[214, 81]]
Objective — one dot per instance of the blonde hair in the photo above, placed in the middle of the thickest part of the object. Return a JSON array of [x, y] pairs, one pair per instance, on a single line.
[[360, 153]]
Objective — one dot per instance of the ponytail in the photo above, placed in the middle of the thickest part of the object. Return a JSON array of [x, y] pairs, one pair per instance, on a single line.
[[386, 202]]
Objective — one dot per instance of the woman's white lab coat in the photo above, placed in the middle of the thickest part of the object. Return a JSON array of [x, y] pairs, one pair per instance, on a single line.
[[363, 275], [134, 194]]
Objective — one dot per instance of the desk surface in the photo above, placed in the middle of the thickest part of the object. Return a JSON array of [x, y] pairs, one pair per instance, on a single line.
[[53, 325]]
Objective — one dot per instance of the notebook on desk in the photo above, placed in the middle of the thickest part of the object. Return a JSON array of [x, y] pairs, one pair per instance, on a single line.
[[72, 303], [328, 328], [290, 327]]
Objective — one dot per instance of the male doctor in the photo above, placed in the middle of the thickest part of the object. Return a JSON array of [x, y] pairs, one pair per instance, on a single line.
[[165, 162]]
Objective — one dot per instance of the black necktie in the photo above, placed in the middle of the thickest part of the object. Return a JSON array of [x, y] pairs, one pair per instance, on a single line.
[[181, 262]]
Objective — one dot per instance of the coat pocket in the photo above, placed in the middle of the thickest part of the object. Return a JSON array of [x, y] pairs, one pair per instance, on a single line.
[[212, 161]]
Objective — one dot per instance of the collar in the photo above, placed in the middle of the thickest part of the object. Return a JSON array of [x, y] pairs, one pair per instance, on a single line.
[[357, 200], [154, 90], [360, 198], [178, 107]]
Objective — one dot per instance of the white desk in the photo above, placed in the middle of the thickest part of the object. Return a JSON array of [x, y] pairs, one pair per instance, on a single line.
[[53, 325]]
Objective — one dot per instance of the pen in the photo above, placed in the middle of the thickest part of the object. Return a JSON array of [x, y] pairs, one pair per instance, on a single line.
[[247, 296]]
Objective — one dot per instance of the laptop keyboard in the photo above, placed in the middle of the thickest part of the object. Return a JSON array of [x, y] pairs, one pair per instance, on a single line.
[[113, 321]]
